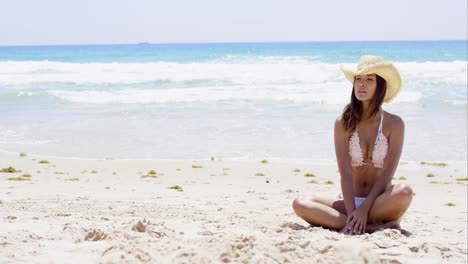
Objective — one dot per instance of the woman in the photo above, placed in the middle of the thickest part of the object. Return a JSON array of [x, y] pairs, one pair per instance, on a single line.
[[368, 145]]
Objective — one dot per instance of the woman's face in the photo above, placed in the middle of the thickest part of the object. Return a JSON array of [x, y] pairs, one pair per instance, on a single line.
[[365, 86]]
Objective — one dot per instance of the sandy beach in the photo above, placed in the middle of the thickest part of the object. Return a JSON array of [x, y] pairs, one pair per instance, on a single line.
[[155, 132], [57, 210]]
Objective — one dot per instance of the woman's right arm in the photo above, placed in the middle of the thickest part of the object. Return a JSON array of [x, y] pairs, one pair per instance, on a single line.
[[342, 159]]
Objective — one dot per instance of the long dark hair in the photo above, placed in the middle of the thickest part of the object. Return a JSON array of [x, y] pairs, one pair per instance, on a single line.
[[353, 113]]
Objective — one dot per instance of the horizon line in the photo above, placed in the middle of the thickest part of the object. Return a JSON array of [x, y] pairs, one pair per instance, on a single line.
[[228, 42]]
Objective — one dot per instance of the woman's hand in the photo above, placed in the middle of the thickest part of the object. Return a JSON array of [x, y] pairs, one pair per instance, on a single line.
[[356, 222]]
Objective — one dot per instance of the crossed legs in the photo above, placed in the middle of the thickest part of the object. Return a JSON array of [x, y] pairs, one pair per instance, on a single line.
[[386, 211]]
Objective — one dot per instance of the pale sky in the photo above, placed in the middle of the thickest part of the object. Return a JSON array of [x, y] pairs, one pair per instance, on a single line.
[[42, 22]]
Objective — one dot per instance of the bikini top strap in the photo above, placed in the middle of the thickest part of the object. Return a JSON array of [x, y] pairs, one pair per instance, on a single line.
[[380, 127], [381, 121]]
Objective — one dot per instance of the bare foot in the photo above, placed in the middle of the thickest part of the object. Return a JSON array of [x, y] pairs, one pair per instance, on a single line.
[[371, 228]]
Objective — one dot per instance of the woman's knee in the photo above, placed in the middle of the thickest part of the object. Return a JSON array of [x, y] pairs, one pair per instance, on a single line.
[[392, 205], [298, 204], [301, 203], [403, 191]]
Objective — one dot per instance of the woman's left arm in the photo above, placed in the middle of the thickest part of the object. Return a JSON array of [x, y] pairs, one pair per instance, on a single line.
[[395, 146]]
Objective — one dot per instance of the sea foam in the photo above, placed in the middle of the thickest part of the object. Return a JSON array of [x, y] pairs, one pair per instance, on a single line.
[[36, 72], [296, 81]]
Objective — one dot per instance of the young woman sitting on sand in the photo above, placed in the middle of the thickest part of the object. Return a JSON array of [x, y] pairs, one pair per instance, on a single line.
[[368, 145]]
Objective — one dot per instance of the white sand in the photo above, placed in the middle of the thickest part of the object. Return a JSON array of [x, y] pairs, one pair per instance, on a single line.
[[102, 211]]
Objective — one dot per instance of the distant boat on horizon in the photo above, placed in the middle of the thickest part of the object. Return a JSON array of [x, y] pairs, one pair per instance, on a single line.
[[144, 43]]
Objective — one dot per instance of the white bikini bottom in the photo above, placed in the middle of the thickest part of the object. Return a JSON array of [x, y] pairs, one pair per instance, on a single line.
[[357, 200]]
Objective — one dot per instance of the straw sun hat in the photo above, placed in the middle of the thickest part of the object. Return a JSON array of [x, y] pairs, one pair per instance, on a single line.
[[373, 64]]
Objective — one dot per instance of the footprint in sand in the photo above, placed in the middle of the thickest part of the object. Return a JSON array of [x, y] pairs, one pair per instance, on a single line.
[[293, 226], [95, 235], [142, 227], [139, 227], [391, 233], [349, 252], [127, 253], [291, 245], [240, 248], [387, 244]]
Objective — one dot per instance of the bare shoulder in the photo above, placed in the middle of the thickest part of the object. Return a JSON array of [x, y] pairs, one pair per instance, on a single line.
[[339, 127], [338, 123], [339, 120], [394, 122]]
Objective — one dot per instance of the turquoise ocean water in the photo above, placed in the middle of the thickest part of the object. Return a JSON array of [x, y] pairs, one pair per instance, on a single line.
[[228, 100]]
